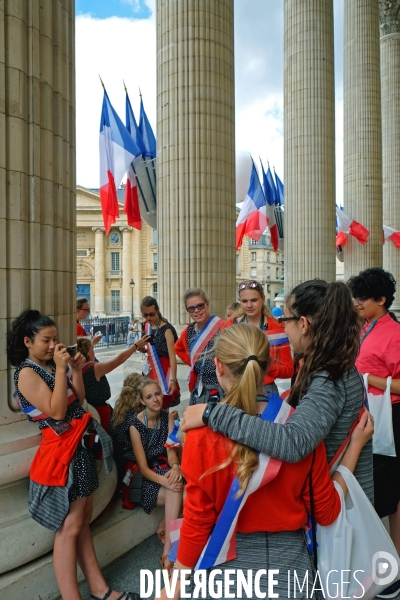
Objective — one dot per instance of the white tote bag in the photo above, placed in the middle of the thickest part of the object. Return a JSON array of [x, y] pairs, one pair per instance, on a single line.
[[356, 557], [380, 407]]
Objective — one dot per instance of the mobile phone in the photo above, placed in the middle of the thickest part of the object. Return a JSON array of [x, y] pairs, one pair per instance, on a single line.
[[98, 333], [143, 327], [151, 340], [71, 350]]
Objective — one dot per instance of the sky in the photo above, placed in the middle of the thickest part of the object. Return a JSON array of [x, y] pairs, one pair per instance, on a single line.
[[116, 39]]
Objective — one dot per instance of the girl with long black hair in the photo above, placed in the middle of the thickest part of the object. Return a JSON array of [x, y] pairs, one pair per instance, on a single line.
[[63, 473]]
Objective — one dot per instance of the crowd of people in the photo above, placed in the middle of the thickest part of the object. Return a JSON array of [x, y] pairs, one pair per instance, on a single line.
[[329, 336]]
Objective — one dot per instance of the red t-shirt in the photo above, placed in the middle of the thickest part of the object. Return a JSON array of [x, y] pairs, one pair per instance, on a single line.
[[281, 505], [80, 331], [380, 352]]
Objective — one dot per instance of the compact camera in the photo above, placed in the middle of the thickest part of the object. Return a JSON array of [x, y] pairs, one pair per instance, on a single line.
[[71, 350]]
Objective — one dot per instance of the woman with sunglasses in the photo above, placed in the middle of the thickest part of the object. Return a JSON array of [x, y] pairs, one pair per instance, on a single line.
[[323, 326], [195, 346], [253, 310], [161, 365]]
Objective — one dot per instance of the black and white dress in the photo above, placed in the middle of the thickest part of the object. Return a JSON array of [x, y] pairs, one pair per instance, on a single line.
[[156, 454], [86, 480]]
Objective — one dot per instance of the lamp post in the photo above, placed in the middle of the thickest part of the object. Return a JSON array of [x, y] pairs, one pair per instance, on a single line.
[[132, 285]]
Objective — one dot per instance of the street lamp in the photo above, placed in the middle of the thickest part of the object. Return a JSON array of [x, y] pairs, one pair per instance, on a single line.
[[132, 285]]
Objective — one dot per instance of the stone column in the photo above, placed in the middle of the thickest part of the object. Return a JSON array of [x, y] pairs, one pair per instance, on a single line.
[[195, 153], [127, 274], [362, 132], [37, 225], [99, 271], [309, 141], [390, 82]]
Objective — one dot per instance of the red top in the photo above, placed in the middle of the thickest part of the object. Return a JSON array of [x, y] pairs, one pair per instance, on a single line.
[[282, 365], [380, 352], [281, 505], [80, 331]]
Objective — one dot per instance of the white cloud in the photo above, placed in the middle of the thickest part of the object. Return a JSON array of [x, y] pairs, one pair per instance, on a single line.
[[118, 49]]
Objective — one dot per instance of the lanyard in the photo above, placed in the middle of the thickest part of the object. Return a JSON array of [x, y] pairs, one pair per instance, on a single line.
[[261, 325], [148, 444], [370, 328]]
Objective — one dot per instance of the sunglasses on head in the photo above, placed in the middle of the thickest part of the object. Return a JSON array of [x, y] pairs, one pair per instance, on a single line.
[[252, 284], [191, 309], [150, 314]]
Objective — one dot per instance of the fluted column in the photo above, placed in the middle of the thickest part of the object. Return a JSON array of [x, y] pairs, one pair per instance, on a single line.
[[362, 132], [99, 270], [126, 269], [309, 141], [195, 152], [37, 225], [390, 82]]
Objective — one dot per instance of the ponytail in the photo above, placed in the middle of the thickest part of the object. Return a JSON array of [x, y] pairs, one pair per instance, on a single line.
[[244, 349], [334, 331], [28, 324]]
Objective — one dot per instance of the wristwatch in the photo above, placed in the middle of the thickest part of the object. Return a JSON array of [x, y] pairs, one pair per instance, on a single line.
[[174, 380], [207, 412]]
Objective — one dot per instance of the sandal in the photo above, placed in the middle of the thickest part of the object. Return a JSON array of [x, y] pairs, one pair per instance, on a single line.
[[161, 536], [168, 567], [123, 596]]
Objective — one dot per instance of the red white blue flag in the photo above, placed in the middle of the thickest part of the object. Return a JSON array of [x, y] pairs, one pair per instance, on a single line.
[[252, 220], [272, 198], [391, 234], [117, 151], [155, 363], [347, 225]]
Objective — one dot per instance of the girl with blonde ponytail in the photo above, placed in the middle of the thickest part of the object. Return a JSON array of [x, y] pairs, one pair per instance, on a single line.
[[269, 530]]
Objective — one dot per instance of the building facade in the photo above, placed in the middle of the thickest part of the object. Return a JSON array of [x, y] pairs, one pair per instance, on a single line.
[[106, 265]]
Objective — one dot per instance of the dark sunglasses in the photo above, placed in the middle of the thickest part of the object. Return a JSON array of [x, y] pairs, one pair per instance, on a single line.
[[191, 309], [285, 319], [254, 285], [151, 314]]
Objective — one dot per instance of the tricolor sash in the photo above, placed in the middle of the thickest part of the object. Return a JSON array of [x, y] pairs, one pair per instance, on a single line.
[[201, 340], [172, 440], [277, 337], [34, 413], [221, 545], [155, 363]]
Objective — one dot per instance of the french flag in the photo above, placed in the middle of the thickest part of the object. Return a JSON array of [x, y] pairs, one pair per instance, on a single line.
[[131, 205], [117, 151], [347, 225], [252, 220], [391, 234], [272, 198]]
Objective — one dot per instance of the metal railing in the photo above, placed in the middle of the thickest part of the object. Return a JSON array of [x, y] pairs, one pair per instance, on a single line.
[[114, 330]]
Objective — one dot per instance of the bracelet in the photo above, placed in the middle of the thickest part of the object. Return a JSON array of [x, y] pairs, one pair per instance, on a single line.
[[136, 347], [174, 380], [206, 414]]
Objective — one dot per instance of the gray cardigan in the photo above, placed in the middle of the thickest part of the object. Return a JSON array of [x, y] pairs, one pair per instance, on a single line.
[[326, 412]]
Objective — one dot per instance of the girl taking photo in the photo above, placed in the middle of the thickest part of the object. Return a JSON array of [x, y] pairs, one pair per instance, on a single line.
[[142, 427], [63, 473], [161, 365]]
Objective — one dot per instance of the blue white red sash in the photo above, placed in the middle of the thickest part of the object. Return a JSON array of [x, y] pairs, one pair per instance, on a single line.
[[155, 363], [221, 545], [202, 339], [277, 337], [172, 440], [34, 413]]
